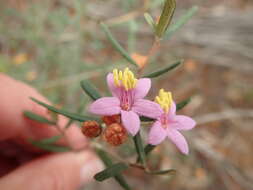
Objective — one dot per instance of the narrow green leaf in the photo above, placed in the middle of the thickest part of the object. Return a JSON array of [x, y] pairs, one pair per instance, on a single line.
[[146, 119], [148, 148], [111, 171], [149, 20], [182, 104], [139, 148], [104, 157], [50, 140], [90, 89], [122, 182], [50, 147], [38, 118], [163, 172], [117, 46], [163, 70], [166, 17], [70, 115], [79, 110], [108, 162], [180, 22]]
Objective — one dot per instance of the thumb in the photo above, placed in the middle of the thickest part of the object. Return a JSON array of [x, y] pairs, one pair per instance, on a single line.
[[65, 171]]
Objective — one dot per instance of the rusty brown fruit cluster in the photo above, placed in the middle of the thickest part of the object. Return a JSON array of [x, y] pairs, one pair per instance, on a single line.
[[115, 134], [108, 120], [91, 129]]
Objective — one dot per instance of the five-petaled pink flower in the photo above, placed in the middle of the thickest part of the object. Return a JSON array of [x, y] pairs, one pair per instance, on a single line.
[[168, 123], [128, 93]]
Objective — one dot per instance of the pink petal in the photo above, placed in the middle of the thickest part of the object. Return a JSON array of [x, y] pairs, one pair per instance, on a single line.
[[105, 106], [182, 122], [157, 134], [147, 108], [142, 88], [131, 121], [178, 139], [110, 82], [172, 110]]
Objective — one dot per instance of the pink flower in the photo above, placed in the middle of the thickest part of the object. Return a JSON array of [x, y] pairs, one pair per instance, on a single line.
[[127, 100], [168, 123]]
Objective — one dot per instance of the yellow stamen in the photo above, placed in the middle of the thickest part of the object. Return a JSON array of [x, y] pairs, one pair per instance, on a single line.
[[124, 78], [164, 99]]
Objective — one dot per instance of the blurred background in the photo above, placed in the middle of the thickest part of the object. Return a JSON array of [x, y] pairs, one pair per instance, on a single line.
[[54, 44]]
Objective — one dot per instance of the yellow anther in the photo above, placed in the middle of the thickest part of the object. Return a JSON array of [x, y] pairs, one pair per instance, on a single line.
[[116, 77], [120, 75], [124, 78], [164, 99]]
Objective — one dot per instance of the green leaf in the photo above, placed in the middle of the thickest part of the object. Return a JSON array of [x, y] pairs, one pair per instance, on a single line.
[[50, 147], [166, 17], [38, 118], [70, 115], [79, 110], [104, 157], [182, 104], [117, 46], [50, 140], [121, 180], [149, 20], [90, 89], [111, 171], [108, 162], [146, 119], [163, 172], [180, 22], [149, 148], [163, 70], [139, 148]]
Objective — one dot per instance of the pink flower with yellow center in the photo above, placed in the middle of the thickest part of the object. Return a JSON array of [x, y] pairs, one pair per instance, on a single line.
[[128, 93], [168, 124]]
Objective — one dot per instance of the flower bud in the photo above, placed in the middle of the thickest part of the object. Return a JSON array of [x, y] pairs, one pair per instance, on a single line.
[[91, 129], [108, 120], [115, 134]]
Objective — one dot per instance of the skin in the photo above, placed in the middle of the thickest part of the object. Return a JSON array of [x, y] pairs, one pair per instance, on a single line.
[[23, 166]]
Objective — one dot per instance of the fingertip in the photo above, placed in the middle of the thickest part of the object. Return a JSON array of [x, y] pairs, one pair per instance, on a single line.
[[55, 172]]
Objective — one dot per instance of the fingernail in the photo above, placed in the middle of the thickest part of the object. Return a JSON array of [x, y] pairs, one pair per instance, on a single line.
[[90, 168]]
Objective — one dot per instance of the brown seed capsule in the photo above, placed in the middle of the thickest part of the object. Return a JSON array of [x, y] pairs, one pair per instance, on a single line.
[[91, 129], [115, 134], [108, 120]]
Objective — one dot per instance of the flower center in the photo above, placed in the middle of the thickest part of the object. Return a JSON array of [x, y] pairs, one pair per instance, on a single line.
[[124, 79], [165, 100], [126, 99], [164, 121]]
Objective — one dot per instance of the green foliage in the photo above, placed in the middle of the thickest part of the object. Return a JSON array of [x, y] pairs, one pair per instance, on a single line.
[[148, 148], [111, 171], [47, 144], [90, 90], [139, 149], [38, 118], [182, 104], [163, 172], [116, 45], [166, 17], [50, 140], [163, 70], [180, 22], [150, 20], [108, 162], [68, 114]]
